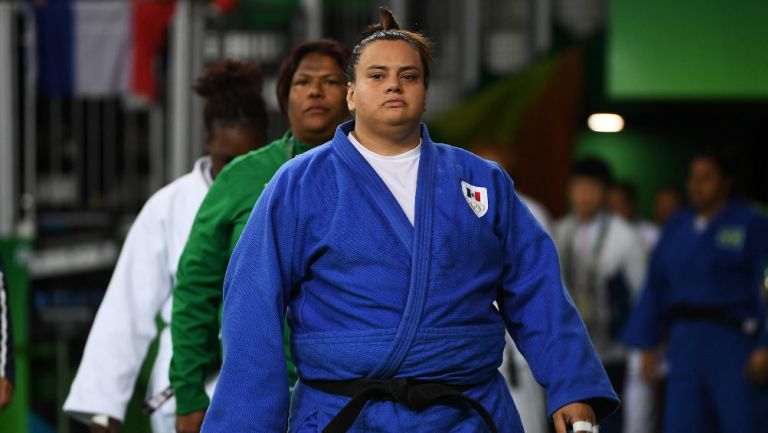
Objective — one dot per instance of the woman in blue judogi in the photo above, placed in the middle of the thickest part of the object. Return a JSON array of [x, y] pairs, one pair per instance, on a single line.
[[702, 302], [387, 251]]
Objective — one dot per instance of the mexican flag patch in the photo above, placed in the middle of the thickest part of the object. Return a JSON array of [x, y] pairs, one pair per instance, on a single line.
[[476, 197]]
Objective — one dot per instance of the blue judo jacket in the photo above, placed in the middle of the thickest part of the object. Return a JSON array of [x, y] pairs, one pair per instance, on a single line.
[[368, 295], [721, 268]]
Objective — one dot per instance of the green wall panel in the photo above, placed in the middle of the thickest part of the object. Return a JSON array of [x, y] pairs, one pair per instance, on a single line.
[[687, 49]]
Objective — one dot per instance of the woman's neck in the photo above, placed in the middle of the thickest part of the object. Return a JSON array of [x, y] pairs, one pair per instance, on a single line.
[[713, 209], [388, 143]]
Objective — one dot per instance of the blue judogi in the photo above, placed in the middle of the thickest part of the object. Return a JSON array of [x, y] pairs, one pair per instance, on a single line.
[[702, 297], [368, 295]]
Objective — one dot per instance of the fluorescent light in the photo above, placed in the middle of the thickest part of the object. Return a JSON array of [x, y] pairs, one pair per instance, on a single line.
[[605, 122]]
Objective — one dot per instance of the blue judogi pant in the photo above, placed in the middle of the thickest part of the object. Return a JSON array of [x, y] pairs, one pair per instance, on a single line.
[[708, 391]]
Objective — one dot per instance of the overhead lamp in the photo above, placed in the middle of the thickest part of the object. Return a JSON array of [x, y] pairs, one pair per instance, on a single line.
[[605, 122]]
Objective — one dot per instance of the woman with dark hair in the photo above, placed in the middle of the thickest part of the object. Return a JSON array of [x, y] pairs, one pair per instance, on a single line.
[[310, 89], [235, 119], [387, 254], [702, 304]]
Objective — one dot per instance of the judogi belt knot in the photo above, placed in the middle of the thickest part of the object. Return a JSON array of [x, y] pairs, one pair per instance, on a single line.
[[414, 394]]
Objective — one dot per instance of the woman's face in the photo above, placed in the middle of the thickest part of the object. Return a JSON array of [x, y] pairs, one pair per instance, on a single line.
[[316, 104], [389, 90]]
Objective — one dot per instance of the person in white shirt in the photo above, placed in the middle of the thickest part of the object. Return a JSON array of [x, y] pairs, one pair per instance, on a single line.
[[603, 263], [141, 286]]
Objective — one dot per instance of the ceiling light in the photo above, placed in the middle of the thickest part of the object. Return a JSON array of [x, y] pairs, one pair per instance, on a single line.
[[605, 122]]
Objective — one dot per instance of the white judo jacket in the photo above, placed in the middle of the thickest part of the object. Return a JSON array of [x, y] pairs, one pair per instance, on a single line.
[[622, 251], [141, 288]]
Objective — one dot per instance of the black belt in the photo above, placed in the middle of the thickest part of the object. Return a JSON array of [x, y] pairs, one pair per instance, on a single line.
[[747, 326], [414, 394]]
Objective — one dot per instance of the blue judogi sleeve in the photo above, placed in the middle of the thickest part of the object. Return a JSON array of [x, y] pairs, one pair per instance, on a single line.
[[541, 317], [256, 289]]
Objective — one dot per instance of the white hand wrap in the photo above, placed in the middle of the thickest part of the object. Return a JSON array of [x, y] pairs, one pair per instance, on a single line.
[[584, 426]]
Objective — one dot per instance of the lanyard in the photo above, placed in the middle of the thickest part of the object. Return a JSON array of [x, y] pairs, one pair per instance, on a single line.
[[597, 249]]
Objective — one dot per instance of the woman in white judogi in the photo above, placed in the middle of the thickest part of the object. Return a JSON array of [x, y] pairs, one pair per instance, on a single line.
[[142, 283]]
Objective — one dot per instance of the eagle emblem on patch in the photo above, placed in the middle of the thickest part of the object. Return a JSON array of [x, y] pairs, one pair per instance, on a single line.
[[476, 197]]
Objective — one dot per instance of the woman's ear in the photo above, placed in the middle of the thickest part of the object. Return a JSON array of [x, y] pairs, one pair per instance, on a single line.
[[350, 96]]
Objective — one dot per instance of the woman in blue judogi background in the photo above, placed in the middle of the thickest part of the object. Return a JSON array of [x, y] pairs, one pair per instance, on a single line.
[[702, 302]]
